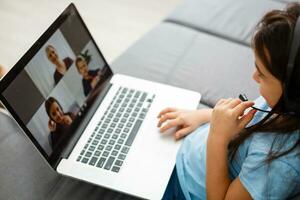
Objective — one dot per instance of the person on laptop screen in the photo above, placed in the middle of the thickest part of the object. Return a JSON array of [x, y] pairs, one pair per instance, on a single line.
[[59, 121], [90, 78], [61, 66]]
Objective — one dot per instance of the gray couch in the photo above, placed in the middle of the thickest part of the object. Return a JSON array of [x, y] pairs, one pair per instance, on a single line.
[[204, 45]]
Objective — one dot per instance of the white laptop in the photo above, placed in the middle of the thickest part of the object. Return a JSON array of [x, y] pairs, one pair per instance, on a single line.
[[87, 122]]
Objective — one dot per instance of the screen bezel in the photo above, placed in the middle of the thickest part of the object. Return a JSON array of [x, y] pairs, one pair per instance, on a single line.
[[22, 63]]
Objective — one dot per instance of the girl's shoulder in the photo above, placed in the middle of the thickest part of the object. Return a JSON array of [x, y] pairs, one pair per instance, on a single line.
[[262, 143]]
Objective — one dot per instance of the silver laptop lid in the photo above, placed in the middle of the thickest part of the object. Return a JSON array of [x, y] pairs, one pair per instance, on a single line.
[[55, 84]]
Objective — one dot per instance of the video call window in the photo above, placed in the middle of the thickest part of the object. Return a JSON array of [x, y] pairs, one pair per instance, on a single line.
[[56, 83]]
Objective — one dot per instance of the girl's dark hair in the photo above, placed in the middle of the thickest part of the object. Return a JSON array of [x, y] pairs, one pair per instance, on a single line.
[[48, 104], [271, 43], [79, 59], [85, 56]]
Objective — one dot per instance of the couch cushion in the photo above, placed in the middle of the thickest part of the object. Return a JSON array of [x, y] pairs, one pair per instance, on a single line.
[[186, 58], [230, 19], [25, 175]]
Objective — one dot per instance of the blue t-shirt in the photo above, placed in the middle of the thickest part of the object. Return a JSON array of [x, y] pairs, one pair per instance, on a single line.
[[279, 180]]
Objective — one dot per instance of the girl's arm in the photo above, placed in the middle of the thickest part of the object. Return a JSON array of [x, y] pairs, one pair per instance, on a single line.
[[227, 120]]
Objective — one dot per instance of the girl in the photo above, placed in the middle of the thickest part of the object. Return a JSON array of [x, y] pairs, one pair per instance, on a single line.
[[243, 155], [59, 122], [90, 78]]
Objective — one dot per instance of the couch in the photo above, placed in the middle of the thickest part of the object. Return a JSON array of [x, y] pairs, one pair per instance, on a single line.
[[204, 45]]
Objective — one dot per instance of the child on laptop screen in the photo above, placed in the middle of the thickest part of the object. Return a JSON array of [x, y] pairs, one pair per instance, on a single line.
[[90, 78], [59, 121], [243, 155]]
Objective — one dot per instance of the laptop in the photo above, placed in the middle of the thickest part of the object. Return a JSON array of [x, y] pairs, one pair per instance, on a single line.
[[88, 123]]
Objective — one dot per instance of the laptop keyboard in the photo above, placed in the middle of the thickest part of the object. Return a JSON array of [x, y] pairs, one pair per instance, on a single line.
[[112, 138]]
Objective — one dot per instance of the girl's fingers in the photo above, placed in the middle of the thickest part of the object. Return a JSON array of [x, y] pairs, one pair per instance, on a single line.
[[166, 110], [233, 103], [166, 117], [220, 102], [227, 101], [239, 109], [170, 124], [247, 118], [182, 132]]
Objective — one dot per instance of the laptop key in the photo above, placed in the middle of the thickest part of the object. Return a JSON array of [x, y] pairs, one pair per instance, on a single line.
[[109, 163], [101, 162], [103, 142], [84, 160], [88, 154], [133, 132], [115, 136], [97, 153], [78, 158], [142, 99], [110, 130], [115, 169], [124, 90], [98, 137], [100, 147], [120, 141], [117, 147], [101, 131], [125, 150], [111, 142], [93, 161], [128, 124], [131, 119], [119, 162], [121, 156], [114, 153], [137, 94], [105, 153], [92, 148], [108, 148]]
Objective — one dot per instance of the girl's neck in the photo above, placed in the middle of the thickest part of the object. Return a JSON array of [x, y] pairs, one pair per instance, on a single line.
[[61, 67]]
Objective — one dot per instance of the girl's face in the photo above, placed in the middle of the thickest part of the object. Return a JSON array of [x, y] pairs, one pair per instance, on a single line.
[[269, 87], [52, 54], [82, 67], [56, 114]]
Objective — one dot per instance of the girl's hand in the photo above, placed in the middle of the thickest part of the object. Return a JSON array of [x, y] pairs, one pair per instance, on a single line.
[[68, 120], [228, 118], [95, 81], [51, 125], [185, 120]]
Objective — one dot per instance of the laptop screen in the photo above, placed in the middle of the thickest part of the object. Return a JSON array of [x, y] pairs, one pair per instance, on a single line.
[[57, 81]]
